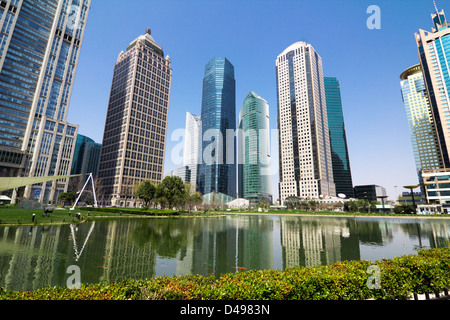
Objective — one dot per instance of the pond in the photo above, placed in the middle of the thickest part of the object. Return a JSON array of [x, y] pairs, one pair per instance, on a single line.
[[113, 250]]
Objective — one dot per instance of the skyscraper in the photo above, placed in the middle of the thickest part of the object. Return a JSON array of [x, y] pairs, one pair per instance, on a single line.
[[40, 44], [135, 132], [254, 150], [218, 115], [306, 169], [420, 120], [434, 54], [86, 158], [192, 146], [342, 174]]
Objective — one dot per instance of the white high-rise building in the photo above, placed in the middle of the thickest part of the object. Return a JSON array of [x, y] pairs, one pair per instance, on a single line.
[[192, 145], [192, 140], [304, 142]]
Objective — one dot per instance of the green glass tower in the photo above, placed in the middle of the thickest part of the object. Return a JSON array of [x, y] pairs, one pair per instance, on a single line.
[[338, 138], [254, 150]]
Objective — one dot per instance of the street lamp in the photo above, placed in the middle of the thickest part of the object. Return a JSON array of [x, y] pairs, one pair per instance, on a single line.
[[412, 195]]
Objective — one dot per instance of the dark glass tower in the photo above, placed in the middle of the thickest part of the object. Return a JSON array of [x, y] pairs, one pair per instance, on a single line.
[[218, 165], [339, 150], [86, 158]]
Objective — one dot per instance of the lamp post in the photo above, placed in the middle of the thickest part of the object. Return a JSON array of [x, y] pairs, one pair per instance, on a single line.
[[412, 195]]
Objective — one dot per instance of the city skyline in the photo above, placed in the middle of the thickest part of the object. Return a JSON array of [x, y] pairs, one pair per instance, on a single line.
[[391, 160]]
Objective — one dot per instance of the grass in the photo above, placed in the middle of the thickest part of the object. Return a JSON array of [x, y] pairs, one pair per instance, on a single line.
[[16, 216]]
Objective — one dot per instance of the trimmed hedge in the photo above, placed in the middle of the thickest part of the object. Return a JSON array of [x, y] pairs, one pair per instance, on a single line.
[[429, 270]]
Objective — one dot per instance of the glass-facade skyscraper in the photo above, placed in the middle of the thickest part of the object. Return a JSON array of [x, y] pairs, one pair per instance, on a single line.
[[306, 169], [434, 53], [342, 174], [134, 139], [40, 44], [254, 150], [85, 158], [218, 115], [420, 120]]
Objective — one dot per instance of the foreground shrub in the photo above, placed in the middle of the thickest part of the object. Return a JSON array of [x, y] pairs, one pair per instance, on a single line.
[[427, 271]]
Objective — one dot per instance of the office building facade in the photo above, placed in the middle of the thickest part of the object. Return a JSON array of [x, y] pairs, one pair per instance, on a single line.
[[218, 116], [254, 150], [420, 120], [370, 192], [306, 169], [40, 45], [342, 174], [434, 54], [135, 132], [437, 189]]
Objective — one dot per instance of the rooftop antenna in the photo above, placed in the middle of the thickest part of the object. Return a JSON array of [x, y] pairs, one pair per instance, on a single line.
[[437, 12]]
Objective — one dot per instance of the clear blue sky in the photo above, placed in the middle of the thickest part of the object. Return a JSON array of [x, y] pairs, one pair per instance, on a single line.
[[251, 33]]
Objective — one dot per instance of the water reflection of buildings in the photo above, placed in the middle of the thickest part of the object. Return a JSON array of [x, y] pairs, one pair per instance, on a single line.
[[35, 257], [227, 245], [311, 242], [28, 257]]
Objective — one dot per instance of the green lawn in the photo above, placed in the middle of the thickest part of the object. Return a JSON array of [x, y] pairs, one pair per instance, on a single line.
[[16, 216]]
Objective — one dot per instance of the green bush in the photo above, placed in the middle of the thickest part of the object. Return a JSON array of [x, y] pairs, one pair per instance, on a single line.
[[427, 271]]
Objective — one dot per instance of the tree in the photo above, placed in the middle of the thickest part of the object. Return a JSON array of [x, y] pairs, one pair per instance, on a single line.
[[192, 198], [67, 197], [146, 191], [170, 191]]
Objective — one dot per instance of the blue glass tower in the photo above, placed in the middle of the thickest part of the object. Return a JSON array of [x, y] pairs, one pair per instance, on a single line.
[[218, 165], [338, 139]]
